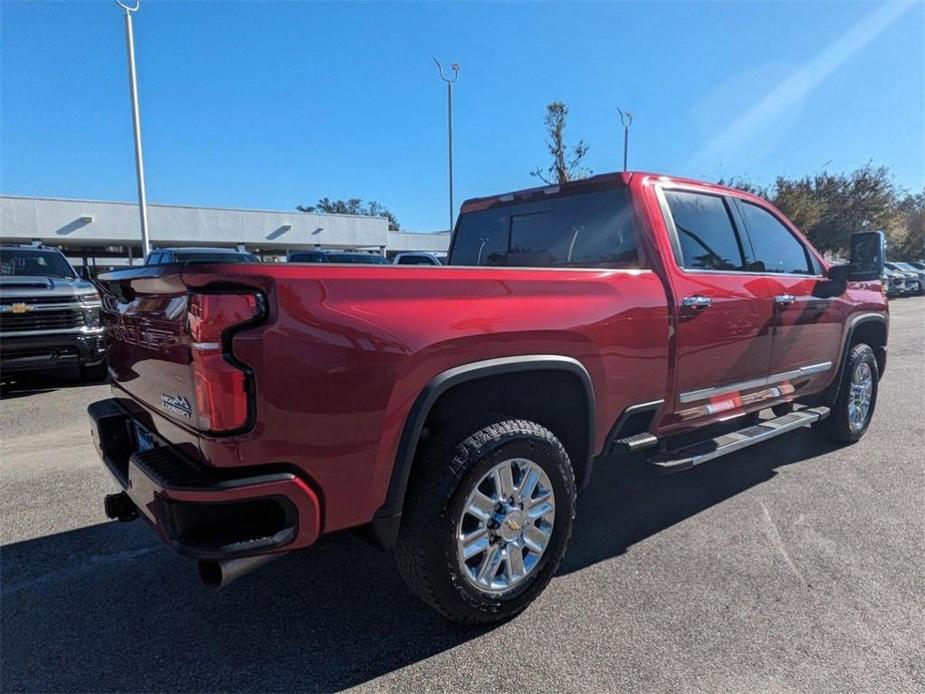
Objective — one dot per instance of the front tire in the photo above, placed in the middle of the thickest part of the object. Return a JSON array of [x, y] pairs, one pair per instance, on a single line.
[[487, 519], [857, 398]]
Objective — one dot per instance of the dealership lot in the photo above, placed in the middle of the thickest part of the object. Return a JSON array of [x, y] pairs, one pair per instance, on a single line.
[[794, 565]]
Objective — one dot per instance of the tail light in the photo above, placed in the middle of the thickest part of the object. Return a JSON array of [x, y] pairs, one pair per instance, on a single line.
[[221, 385]]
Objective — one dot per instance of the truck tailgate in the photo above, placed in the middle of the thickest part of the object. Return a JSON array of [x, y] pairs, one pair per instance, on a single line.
[[145, 313], [171, 346]]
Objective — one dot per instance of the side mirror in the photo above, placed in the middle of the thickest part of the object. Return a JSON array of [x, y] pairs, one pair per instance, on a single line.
[[867, 255], [839, 272]]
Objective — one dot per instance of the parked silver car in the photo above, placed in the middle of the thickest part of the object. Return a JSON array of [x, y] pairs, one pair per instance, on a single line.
[[419, 258], [917, 273], [913, 281]]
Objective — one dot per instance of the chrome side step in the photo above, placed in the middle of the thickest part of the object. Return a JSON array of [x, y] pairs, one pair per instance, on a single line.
[[702, 451]]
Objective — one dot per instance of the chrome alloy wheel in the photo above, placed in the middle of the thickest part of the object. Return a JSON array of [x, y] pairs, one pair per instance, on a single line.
[[506, 525], [859, 396]]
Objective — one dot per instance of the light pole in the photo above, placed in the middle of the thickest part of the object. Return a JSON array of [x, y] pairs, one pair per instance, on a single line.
[[627, 119], [449, 109], [136, 122]]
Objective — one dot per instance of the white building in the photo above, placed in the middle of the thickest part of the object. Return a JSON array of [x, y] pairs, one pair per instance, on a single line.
[[109, 232]]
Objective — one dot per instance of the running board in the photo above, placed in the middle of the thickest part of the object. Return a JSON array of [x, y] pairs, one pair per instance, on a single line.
[[636, 442], [702, 451]]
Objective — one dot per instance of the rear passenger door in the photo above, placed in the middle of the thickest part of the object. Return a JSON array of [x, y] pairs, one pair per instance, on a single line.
[[723, 312], [807, 324]]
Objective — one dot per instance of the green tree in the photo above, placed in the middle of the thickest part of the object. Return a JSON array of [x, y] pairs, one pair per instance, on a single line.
[[566, 165], [352, 206], [910, 243], [829, 207]]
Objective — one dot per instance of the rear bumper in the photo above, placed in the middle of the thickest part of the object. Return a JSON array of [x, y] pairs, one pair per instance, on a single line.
[[194, 510], [30, 352]]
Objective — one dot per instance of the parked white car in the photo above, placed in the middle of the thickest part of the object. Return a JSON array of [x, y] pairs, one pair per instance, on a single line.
[[419, 258]]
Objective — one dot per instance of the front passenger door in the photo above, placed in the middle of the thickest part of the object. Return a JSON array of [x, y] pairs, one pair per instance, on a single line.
[[807, 323]]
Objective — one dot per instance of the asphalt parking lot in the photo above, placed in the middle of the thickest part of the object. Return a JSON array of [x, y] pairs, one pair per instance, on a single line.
[[791, 566]]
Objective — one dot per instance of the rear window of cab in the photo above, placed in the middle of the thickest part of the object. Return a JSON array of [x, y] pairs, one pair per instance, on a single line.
[[585, 230]]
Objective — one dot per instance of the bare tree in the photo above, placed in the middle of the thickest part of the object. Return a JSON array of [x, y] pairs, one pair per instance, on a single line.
[[566, 166]]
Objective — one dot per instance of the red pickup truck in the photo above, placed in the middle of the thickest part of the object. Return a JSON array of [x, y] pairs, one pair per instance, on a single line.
[[453, 413]]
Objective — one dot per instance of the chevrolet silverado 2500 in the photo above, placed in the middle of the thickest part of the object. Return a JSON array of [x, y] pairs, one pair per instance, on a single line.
[[453, 413]]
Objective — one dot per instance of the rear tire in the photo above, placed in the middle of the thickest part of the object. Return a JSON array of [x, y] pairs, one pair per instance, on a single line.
[[857, 398], [486, 521]]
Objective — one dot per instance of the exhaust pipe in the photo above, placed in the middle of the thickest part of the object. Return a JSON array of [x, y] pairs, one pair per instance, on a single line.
[[218, 574]]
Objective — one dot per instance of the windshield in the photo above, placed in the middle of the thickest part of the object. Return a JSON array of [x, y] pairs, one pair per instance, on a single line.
[[20, 263], [579, 230], [358, 258]]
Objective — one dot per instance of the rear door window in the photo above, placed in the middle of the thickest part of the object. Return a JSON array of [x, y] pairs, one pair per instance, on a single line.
[[777, 250], [706, 235], [584, 230]]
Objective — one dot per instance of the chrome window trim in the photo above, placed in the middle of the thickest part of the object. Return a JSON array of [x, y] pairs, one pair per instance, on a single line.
[[803, 371], [749, 272]]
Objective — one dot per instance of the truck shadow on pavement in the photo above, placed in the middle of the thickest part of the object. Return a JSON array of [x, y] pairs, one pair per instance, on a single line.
[[105, 607]]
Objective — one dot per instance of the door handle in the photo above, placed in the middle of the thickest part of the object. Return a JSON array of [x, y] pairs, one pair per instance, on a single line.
[[784, 299], [696, 302]]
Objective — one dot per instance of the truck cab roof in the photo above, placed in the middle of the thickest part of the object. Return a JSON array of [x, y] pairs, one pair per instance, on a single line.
[[592, 183]]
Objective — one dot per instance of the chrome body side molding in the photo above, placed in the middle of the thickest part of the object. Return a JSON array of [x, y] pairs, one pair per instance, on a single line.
[[802, 372]]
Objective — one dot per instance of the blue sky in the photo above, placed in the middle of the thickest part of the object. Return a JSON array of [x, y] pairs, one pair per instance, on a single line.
[[268, 105]]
